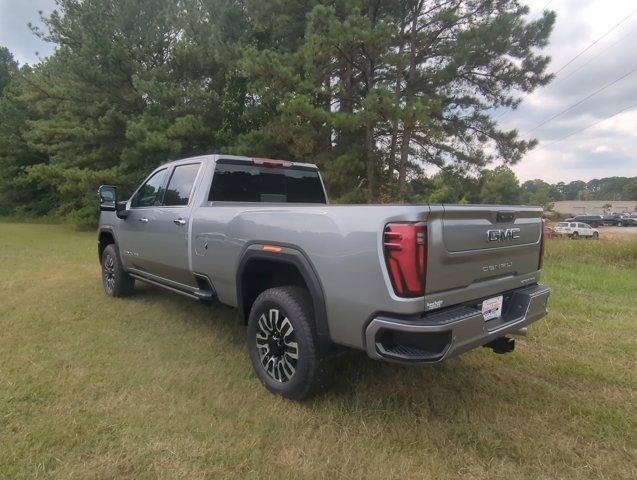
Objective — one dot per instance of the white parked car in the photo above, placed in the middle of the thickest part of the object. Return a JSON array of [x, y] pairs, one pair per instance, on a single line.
[[576, 230]]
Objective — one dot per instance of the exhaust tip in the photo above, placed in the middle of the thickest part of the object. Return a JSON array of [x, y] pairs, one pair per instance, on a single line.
[[523, 332]]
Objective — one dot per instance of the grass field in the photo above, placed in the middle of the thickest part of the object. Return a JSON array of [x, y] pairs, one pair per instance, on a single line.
[[159, 386]]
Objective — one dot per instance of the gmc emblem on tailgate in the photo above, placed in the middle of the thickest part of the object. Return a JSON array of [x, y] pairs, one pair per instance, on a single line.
[[500, 235]]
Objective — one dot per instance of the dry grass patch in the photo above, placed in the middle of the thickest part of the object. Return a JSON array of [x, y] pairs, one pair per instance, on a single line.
[[159, 386]]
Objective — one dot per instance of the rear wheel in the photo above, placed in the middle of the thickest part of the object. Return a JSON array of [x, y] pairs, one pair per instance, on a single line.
[[620, 224], [282, 343], [117, 283], [574, 235]]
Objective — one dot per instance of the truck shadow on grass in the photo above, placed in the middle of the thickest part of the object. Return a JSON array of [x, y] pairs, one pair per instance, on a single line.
[[514, 408], [479, 379]]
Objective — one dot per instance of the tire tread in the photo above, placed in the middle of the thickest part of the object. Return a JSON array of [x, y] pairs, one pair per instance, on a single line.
[[297, 303], [124, 283]]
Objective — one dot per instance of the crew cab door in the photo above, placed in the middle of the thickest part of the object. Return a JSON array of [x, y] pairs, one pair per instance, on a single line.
[[155, 237], [133, 240]]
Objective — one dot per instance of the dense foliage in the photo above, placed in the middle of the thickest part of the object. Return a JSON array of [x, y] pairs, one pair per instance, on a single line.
[[370, 90], [501, 186]]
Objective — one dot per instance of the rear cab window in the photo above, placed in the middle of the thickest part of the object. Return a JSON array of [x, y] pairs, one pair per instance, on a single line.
[[241, 181], [180, 185]]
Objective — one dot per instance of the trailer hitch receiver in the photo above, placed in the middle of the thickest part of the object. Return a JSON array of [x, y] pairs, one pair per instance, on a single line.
[[502, 345]]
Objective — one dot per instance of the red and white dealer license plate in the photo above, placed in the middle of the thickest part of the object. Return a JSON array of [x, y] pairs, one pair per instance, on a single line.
[[492, 308]]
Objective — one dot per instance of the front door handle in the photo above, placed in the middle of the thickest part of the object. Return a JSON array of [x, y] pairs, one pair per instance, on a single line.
[[180, 221], [143, 220]]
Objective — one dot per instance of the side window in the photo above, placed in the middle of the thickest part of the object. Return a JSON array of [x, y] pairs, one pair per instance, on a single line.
[[180, 185], [149, 193], [581, 225], [572, 225]]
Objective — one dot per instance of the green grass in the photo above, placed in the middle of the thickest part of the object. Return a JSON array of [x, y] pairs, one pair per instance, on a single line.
[[614, 251], [159, 386]]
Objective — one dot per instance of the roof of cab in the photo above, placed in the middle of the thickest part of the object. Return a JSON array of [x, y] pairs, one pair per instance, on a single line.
[[215, 157]]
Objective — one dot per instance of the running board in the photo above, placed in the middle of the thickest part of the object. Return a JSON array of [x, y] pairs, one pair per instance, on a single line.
[[205, 295], [199, 294]]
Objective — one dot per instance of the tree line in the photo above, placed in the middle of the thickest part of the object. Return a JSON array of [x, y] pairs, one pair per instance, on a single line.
[[373, 91], [501, 186]]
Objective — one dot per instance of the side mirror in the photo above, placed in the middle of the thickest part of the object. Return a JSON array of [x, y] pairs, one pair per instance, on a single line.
[[108, 198], [108, 201]]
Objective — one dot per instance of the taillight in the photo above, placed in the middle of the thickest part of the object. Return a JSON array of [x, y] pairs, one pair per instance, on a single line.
[[405, 246], [541, 260]]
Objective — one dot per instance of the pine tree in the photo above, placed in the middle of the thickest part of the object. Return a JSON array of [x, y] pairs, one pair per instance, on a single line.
[[18, 193], [373, 91]]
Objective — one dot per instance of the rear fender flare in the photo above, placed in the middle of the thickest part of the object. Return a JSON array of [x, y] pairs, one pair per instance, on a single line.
[[295, 257]]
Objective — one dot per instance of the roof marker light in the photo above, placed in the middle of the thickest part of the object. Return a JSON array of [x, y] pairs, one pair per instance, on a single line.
[[267, 162]]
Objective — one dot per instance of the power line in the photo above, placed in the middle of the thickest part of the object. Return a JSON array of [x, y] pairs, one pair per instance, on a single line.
[[573, 72], [629, 107], [596, 41], [546, 5], [579, 102], [592, 44]]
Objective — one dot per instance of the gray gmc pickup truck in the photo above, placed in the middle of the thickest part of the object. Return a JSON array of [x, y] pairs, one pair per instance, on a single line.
[[405, 283]]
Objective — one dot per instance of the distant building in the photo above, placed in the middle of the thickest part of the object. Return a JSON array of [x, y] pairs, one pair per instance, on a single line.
[[595, 207]]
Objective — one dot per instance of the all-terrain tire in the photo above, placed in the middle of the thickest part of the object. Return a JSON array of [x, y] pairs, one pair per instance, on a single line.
[[117, 283], [283, 345]]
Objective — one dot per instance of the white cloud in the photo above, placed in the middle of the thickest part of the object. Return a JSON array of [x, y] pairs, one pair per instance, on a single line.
[[15, 33], [606, 148], [602, 150]]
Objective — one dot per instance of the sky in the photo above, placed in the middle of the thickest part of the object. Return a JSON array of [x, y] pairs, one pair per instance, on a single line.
[[605, 146], [15, 33]]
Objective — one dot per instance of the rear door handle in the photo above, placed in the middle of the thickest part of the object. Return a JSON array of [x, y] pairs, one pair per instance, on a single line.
[[180, 221], [143, 220]]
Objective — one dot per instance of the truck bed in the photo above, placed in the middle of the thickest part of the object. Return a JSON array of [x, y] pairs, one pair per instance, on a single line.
[[344, 244]]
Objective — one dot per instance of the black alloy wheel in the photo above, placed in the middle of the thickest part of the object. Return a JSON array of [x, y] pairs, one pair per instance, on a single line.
[[277, 346], [117, 283], [283, 345]]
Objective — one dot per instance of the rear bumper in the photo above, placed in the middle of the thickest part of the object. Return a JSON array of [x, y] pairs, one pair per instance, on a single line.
[[436, 336]]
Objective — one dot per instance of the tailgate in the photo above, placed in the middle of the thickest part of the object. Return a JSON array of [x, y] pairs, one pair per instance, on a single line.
[[487, 248]]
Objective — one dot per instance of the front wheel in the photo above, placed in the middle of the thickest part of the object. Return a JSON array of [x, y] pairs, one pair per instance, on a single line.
[[620, 224], [282, 343], [595, 235], [117, 283]]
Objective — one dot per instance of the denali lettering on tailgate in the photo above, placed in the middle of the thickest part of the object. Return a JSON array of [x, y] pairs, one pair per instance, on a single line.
[[497, 266]]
